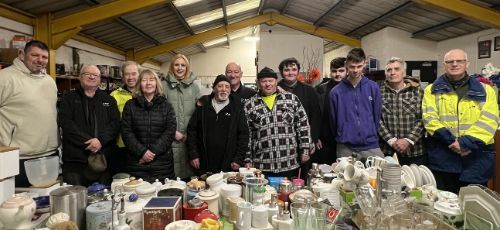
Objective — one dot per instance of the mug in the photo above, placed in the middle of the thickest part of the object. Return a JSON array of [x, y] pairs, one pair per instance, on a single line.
[[372, 161], [244, 221], [359, 164], [259, 216], [352, 173], [341, 165]]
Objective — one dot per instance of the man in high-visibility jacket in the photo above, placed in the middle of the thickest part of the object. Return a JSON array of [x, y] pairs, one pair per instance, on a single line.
[[461, 117]]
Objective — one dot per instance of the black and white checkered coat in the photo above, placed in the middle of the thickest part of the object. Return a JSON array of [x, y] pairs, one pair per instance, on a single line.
[[402, 117], [277, 136]]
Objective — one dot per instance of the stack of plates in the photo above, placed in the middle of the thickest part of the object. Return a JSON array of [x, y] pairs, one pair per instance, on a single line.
[[416, 176], [391, 175]]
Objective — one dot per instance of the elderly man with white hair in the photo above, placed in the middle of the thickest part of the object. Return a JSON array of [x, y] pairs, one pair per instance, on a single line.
[[461, 117], [90, 123]]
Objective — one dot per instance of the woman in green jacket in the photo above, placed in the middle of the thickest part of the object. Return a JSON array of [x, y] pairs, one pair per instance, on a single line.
[[182, 93]]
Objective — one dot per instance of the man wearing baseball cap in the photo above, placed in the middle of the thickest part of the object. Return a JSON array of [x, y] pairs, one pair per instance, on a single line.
[[217, 132], [279, 129]]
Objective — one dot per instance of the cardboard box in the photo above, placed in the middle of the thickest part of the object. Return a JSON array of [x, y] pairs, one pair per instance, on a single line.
[[7, 187], [19, 41], [9, 158], [161, 211]]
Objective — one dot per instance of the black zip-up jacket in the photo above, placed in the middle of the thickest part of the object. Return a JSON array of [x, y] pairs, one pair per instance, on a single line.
[[310, 101], [149, 125], [237, 135], [79, 124]]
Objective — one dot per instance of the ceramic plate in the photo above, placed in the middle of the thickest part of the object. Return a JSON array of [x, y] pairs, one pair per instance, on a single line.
[[429, 173], [408, 171], [416, 174]]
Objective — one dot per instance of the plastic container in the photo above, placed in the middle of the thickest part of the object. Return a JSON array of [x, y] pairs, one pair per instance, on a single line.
[[42, 171]]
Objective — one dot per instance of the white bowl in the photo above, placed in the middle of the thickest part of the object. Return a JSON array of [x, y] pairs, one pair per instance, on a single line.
[[42, 171]]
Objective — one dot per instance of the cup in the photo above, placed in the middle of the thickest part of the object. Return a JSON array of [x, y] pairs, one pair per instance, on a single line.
[[341, 165], [259, 216], [244, 215], [233, 208], [317, 214], [359, 164], [300, 215], [352, 173]]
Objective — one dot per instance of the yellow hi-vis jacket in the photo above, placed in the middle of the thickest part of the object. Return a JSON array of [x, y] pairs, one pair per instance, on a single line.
[[472, 121], [121, 96]]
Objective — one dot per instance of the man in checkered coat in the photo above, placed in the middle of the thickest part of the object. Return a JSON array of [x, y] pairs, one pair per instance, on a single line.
[[279, 130]]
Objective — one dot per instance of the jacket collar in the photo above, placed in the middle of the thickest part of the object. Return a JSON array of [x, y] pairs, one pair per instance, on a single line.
[[174, 82], [476, 89], [142, 102], [361, 82], [409, 84]]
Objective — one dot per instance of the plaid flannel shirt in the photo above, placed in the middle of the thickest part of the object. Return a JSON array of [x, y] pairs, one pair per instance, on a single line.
[[402, 117], [277, 136]]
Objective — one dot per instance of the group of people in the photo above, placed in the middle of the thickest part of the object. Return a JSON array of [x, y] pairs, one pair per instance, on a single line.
[[156, 128]]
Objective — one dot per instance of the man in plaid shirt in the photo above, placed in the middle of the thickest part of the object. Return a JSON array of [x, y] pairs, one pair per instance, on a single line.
[[401, 128], [279, 130]]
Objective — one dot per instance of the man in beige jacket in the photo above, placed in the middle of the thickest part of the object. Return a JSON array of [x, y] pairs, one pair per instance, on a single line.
[[28, 116]]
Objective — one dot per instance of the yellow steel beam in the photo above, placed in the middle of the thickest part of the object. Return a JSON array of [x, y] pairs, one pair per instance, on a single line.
[[201, 37], [59, 39], [468, 10], [101, 12], [16, 15], [315, 30], [42, 31], [97, 43]]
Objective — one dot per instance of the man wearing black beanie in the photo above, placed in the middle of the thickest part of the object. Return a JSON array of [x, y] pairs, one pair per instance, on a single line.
[[279, 130], [217, 132]]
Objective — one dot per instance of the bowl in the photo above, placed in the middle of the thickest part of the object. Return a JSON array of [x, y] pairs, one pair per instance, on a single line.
[[43, 171]]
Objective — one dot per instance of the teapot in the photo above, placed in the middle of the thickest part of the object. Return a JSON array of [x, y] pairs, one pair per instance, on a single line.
[[17, 211]]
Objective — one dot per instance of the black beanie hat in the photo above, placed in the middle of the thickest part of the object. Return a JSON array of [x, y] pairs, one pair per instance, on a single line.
[[219, 78], [267, 72]]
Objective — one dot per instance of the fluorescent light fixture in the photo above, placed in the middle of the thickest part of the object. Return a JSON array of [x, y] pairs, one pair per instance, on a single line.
[[242, 7], [181, 3], [205, 17], [218, 13], [240, 33], [215, 41]]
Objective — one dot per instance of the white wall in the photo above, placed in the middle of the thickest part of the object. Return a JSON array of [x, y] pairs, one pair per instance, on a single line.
[[284, 42], [328, 57], [9, 28], [391, 42], [469, 44]]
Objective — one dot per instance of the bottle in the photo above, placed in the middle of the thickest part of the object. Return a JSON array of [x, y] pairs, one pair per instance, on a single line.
[[272, 208], [285, 189], [122, 223]]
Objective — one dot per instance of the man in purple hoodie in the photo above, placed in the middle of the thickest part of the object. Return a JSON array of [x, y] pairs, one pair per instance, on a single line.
[[355, 108]]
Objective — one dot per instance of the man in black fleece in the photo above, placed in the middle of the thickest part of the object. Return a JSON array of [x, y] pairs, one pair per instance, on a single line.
[[218, 132]]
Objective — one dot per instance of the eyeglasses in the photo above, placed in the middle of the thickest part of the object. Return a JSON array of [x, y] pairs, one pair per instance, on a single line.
[[458, 62], [90, 74]]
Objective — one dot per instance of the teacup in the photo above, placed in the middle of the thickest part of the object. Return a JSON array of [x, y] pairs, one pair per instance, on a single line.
[[352, 173], [359, 164], [341, 165]]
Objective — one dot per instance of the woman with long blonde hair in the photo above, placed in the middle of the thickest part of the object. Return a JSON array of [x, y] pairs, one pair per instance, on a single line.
[[182, 93]]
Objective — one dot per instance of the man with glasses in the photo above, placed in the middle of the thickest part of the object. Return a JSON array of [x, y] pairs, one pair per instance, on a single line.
[[90, 122], [461, 117], [28, 114]]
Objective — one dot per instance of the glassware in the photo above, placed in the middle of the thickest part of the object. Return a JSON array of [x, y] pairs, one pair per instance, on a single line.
[[300, 215]]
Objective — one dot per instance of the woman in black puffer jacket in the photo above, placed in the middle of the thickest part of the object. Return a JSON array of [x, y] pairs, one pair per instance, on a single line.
[[148, 129]]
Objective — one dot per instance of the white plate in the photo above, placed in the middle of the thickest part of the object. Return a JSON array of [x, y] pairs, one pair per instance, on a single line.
[[407, 180], [425, 177], [408, 171], [416, 174], [429, 173]]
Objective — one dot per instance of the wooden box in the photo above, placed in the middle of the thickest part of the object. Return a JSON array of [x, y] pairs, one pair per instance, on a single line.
[[161, 211]]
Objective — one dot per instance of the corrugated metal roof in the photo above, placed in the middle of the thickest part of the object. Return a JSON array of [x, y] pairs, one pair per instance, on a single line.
[[356, 18]]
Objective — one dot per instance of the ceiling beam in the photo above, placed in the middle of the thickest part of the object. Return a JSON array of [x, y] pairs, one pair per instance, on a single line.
[[382, 17], [467, 10], [185, 24], [224, 11], [97, 43], [270, 18], [452, 22], [315, 30], [201, 37], [100, 13], [287, 3], [12, 13], [136, 30], [261, 6], [329, 12]]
